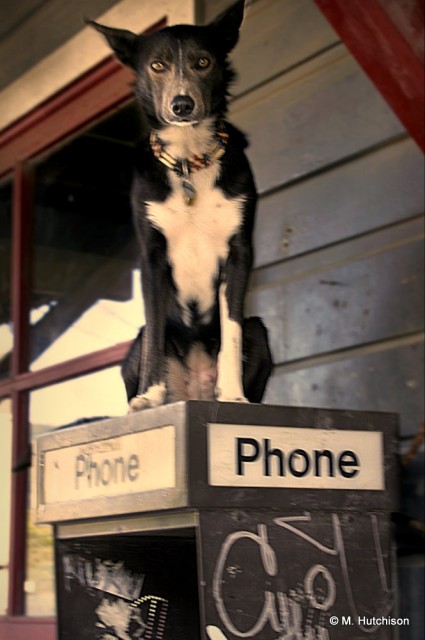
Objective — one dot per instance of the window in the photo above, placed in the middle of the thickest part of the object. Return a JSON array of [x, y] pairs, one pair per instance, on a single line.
[[85, 288], [70, 303], [69, 282]]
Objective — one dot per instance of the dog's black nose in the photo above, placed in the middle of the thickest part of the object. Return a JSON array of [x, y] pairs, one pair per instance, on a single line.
[[182, 105]]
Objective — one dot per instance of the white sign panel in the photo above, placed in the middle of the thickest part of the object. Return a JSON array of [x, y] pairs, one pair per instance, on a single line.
[[133, 463], [281, 457]]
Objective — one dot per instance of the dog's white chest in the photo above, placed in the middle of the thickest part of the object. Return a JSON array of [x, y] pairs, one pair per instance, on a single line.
[[197, 236]]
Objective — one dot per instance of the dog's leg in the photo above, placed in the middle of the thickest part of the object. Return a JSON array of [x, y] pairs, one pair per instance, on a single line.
[[130, 372], [151, 390], [231, 296], [231, 301], [130, 368], [257, 359], [229, 363], [175, 373]]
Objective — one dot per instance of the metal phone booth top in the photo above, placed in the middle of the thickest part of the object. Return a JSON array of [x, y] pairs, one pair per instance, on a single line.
[[216, 521]]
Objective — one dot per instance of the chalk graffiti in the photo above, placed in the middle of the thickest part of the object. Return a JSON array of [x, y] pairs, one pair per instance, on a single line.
[[298, 613]]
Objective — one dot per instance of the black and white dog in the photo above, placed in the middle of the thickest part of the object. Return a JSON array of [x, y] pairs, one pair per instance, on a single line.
[[193, 202]]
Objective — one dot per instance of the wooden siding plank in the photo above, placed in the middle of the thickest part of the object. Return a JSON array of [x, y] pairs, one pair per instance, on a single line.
[[13, 13], [49, 26], [342, 253], [212, 8], [374, 298], [311, 117], [390, 380], [277, 35], [379, 189]]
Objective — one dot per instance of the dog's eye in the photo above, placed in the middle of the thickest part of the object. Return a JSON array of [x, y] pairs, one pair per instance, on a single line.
[[158, 66], [203, 63]]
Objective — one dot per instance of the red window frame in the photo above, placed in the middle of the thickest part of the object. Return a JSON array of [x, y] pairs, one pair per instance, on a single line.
[[97, 93]]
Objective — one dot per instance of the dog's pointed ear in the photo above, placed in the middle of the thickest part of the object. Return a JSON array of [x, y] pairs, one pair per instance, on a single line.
[[121, 41], [228, 24]]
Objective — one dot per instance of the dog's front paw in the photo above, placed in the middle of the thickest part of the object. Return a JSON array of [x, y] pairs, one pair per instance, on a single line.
[[229, 397], [153, 397], [138, 403]]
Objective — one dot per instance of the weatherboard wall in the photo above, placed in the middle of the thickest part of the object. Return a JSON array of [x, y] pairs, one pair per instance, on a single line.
[[338, 275]]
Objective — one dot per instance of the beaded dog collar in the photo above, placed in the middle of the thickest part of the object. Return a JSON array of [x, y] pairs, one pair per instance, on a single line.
[[186, 166]]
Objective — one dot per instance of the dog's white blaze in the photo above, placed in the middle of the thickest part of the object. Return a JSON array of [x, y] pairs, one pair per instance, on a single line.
[[229, 364], [197, 236], [182, 87]]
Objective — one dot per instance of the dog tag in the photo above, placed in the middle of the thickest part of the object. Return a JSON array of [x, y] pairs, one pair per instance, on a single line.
[[188, 191]]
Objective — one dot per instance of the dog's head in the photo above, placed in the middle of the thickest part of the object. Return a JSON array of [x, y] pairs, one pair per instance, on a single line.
[[182, 72]]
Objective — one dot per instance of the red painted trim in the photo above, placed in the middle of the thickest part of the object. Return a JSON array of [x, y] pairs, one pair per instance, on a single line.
[[19, 501], [22, 225], [27, 628], [82, 365], [21, 248], [386, 56]]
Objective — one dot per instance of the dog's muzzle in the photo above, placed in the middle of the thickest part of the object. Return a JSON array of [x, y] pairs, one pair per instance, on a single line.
[[182, 106]]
